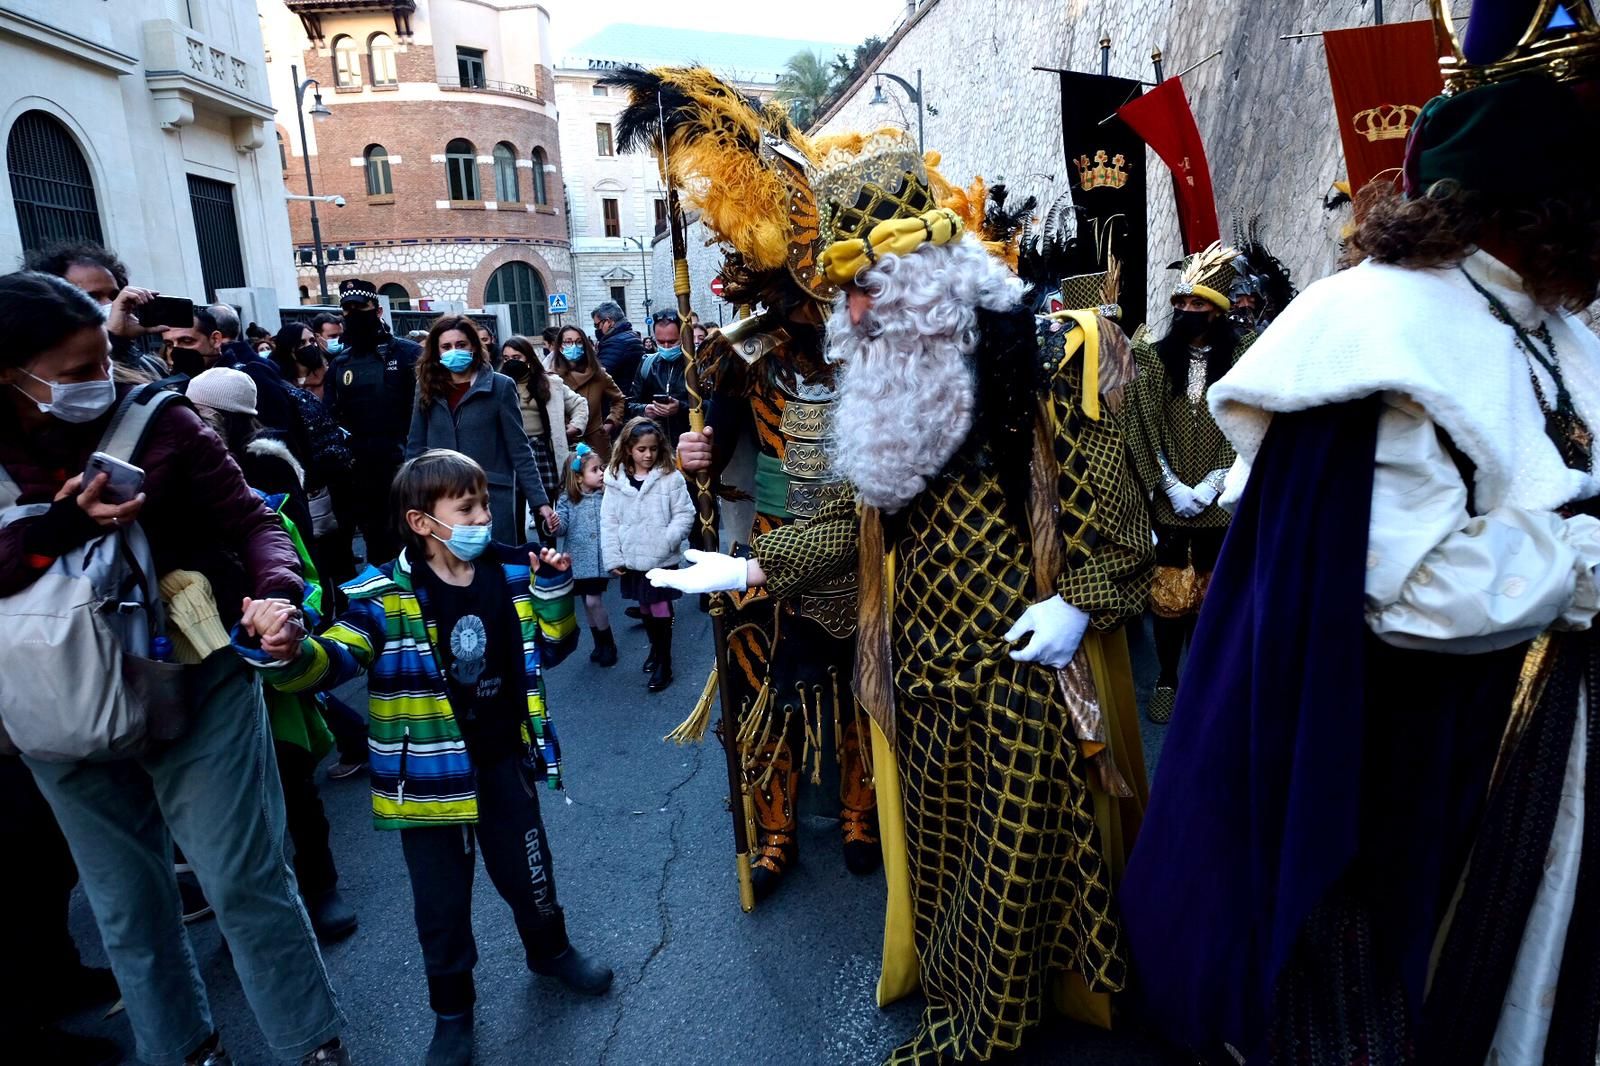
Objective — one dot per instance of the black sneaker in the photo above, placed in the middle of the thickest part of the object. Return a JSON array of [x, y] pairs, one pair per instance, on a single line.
[[341, 769], [211, 1053], [332, 919], [452, 1041], [573, 969], [59, 1048], [333, 1053]]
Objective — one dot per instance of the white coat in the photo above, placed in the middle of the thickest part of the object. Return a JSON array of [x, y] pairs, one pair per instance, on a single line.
[[642, 528]]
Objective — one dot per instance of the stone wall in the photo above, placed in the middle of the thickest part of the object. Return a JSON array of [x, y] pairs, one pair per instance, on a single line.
[[1264, 108]]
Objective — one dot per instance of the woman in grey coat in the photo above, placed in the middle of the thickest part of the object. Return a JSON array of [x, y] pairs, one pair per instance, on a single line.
[[464, 405]]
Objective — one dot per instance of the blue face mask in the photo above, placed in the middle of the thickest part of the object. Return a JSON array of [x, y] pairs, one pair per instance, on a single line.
[[456, 360], [335, 345], [670, 353], [466, 542], [572, 352]]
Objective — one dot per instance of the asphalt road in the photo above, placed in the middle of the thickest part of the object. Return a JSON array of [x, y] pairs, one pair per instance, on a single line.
[[644, 867]]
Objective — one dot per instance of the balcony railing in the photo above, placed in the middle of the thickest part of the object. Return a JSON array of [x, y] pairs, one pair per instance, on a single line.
[[509, 88]]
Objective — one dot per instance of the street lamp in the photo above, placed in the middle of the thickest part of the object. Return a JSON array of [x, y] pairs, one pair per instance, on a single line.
[[319, 111], [913, 92], [644, 271]]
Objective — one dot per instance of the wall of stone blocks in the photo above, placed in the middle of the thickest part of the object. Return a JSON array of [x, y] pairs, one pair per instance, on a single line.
[[1264, 108]]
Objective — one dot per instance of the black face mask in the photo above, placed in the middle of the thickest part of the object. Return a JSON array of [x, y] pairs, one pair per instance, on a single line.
[[187, 361], [361, 328], [1189, 325], [515, 369]]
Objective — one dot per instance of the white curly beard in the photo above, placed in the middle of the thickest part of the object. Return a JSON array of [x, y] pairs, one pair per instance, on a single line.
[[906, 387]]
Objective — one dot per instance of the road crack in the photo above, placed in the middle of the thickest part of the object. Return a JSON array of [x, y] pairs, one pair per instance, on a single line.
[[663, 907]]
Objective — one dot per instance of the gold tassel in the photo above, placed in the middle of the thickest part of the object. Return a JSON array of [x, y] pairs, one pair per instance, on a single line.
[[752, 721], [692, 730], [766, 775]]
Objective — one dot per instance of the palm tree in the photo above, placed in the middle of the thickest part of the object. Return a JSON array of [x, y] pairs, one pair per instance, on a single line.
[[805, 85]]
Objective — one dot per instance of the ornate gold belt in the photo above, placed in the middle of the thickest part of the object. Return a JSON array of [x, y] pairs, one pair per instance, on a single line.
[[804, 421], [807, 498]]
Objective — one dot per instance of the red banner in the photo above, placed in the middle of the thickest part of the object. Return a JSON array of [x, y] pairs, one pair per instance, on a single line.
[[1162, 117], [1381, 75]]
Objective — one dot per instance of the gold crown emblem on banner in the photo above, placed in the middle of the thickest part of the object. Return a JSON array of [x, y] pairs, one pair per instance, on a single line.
[[1097, 175], [1386, 122]]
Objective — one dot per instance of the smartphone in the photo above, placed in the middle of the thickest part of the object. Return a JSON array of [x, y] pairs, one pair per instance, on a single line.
[[664, 399], [123, 480], [166, 311]]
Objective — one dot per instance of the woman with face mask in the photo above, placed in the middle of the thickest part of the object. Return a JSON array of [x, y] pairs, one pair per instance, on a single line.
[[553, 416], [578, 365], [463, 405], [203, 790]]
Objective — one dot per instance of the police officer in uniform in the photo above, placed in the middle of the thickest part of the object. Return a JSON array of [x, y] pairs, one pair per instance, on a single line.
[[370, 389]]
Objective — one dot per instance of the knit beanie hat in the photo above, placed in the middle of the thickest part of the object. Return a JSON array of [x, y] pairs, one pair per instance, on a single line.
[[223, 389]]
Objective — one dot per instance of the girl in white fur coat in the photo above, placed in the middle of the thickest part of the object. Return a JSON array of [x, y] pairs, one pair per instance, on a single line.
[[645, 515]]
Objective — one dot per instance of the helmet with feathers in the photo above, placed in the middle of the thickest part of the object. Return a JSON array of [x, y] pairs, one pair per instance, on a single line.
[[798, 216]]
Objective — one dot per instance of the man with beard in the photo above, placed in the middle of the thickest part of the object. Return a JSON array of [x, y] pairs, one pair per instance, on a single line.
[[1000, 545], [1374, 833], [370, 388], [1179, 455]]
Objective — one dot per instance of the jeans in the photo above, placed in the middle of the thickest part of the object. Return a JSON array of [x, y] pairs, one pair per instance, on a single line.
[[216, 788], [516, 855]]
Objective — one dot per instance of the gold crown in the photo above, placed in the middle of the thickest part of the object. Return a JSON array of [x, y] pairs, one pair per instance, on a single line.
[[1099, 176], [1565, 53], [1386, 122]]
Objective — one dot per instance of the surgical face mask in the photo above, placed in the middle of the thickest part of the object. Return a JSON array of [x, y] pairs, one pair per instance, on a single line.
[[669, 353], [456, 360], [465, 542], [335, 345], [78, 401], [573, 353]]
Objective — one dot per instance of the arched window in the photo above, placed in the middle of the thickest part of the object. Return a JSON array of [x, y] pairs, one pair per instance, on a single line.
[[519, 286], [346, 61], [381, 55], [379, 181], [399, 298], [506, 188], [50, 183], [461, 169], [541, 191], [283, 152]]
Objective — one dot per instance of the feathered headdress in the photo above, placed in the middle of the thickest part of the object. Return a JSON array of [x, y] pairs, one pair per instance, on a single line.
[[984, 212], [1260, 272], [1208, 274]]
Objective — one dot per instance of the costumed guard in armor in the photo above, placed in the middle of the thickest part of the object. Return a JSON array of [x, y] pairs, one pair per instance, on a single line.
[[1179, 454], [791, 659], [1000, 545], [1375, 835], [1263, 286]]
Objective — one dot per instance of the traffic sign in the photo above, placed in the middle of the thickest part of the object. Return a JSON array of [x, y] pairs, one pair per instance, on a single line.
[[716, 286], [558, 303]]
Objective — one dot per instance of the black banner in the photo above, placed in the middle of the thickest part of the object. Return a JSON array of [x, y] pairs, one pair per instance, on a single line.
[[1106, 166]]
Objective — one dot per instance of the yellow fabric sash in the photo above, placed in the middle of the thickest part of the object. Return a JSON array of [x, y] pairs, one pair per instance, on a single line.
[[841, 261]]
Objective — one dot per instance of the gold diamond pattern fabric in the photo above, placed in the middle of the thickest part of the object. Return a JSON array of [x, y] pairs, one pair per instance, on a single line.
[[1007, 878], [1155, 420]]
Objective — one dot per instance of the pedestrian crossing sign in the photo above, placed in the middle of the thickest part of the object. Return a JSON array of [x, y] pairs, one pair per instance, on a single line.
[[558, 303]]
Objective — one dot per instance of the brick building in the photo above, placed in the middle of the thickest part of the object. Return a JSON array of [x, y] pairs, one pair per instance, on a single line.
[[441, 140]]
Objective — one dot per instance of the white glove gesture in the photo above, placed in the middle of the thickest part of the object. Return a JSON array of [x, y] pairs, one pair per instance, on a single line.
[[1057, 628], [708, 572], [1181, 497], [1205, 494]]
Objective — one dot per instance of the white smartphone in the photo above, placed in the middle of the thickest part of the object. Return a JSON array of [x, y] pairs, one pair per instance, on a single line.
[[123, 480]]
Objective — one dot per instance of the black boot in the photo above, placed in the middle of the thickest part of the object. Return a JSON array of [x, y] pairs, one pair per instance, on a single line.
[[578, 972], [650, 627], [452, 1041], [661, 676], [605, 648], [332, 919]]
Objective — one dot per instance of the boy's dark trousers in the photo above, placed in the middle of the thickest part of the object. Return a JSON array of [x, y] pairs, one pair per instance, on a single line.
[[516, 854]]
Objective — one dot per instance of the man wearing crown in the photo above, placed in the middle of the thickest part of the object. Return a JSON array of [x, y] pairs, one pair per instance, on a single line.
[[1179, 454], [1375, 834], [1000, 544]]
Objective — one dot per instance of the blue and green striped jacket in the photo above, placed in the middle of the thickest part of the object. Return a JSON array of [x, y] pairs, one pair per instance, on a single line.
[[421, 772]]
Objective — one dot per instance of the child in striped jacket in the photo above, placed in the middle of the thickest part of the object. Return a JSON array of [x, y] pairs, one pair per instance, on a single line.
[[453, 635]]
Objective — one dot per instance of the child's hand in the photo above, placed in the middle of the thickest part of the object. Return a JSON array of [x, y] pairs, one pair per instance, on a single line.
[[277, 624], [618, 571], [551, 558]]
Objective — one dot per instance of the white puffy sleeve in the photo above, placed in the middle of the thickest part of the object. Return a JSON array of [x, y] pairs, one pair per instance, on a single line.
[[1441, 579]]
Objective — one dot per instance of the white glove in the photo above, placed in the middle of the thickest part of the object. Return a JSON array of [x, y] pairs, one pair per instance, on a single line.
[[1183, 501], [709, 572], [1057, 629], [1205, 494]]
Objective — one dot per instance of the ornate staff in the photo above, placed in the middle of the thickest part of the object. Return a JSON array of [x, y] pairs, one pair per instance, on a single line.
[[706, 533]]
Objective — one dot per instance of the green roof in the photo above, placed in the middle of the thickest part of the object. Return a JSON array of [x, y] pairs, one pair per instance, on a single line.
[[735, 56]]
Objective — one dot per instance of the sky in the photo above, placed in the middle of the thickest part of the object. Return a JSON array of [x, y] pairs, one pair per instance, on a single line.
[[817, 20]]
